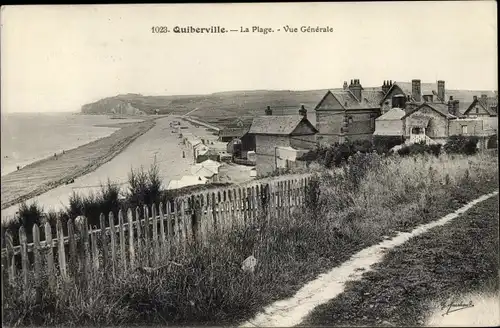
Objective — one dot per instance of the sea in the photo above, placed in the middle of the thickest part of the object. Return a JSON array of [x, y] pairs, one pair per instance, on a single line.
[[29, 137]]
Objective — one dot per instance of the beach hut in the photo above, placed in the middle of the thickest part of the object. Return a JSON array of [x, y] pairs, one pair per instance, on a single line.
[[187, 180]]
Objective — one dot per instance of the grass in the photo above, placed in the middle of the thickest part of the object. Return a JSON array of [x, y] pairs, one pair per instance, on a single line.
[[36, 178], [417, 279], [356, 207]]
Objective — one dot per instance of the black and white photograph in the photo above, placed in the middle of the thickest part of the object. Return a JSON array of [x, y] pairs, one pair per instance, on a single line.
[[306, 164]]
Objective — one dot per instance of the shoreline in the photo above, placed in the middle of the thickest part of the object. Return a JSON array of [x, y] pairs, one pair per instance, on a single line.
[[93, 154]]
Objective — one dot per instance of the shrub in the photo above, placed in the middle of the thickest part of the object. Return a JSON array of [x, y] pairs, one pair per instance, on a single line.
[[93, 204], [419, 149], [492, 142], [383, 144], [27, 217], [145, 187], [459, 144]]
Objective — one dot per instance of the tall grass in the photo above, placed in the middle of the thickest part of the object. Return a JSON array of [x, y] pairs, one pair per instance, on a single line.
[[358, 205]]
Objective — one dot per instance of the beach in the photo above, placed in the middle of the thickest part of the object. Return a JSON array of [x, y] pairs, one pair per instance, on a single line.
[[159, 143], [40, 176]]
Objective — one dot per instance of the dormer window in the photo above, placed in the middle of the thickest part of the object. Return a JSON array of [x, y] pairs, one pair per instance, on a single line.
[[350, 120]]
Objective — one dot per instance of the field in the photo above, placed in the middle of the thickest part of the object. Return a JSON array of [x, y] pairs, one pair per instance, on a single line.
[[41, 176]]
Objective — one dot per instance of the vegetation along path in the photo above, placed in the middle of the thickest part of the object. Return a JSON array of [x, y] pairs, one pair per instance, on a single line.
[[293, 311]]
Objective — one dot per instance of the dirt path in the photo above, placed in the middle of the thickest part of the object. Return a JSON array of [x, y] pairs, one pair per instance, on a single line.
[[293, 311]]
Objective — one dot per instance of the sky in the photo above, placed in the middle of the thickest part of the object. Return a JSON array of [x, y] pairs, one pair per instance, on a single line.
[[57, 58]]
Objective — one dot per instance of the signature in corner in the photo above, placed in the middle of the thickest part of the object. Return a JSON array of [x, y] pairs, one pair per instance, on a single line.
[[453, 307]]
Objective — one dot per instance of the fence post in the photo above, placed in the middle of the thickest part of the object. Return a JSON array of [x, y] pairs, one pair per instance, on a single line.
[[104, 242], [73, 257], [61, 252], [155, 234], [121, 228], [38, 263], [11, 259], [162, 230], [24, 259], [168, 223], [50, 257], [95, 252], [112, 234], [147, 238], [183, 224], [140, 253], [82, 227], [131, 249]]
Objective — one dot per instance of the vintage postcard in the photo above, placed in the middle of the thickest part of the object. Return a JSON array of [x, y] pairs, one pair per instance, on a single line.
[[251, 165]]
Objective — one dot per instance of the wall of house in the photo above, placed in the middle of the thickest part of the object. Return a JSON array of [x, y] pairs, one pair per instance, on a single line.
[[474, 127], [438, 124], [363, 124], [329, 116], [265, 152], [303, 142], [247, 143], [389, 127]]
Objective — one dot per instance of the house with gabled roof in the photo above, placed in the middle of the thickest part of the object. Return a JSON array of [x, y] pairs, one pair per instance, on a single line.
[[429, 122], [482, 107], [272, 132], [348, 113]]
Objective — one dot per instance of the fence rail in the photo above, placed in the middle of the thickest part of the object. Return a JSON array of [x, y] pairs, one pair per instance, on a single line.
[[147, 236]]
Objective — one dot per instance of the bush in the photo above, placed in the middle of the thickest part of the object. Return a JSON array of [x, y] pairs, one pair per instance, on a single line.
[[461, 145], [492, 142], [27, 217], [419, 149], [93, 204], [145, 187], [383, 144]]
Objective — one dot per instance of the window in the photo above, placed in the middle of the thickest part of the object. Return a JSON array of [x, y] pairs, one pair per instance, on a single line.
[[477, 110], [350, 119], [464, 129]]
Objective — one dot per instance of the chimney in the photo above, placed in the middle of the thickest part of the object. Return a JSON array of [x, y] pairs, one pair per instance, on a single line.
[[303, 111], [356, 89], [484, 96], [415, 90], [269, 111], [453, 106], [475, 98], [345, 85], [441, 90], [386, 86]]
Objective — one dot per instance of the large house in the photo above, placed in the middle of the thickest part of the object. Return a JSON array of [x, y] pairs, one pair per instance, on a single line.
[[434, 123], [351, 112], [294, 133]]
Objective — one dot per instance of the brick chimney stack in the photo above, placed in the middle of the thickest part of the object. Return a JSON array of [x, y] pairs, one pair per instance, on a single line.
[[345, 85], [475, 98], [269, 111], [441, 91], [453, 106], [386, 86], [484, 96], [303, 111], [415, 90], [356, 89]]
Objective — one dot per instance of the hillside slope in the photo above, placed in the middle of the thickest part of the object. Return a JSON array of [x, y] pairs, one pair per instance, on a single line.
[[210, 107]]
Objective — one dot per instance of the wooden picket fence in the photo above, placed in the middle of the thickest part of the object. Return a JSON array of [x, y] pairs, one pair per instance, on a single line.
[[143, 238]]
